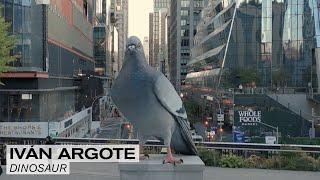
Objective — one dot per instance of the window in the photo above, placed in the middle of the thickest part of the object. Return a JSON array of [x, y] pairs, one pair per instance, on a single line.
[[198, 3], [184, 33], [184, 13], [184, 22], [185, 3], [185, 42], [85, 7], [185, 54]]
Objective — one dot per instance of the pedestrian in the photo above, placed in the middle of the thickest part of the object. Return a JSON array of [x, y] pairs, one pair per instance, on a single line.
[[240, 88], [49, 141]]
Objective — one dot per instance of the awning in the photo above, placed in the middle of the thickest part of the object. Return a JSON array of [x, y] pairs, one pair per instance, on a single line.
[[216, 31], [221, 12], [206, 73], [212, 52]]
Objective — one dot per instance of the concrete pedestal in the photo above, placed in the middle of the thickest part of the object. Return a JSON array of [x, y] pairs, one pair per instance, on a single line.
[[153, 169]]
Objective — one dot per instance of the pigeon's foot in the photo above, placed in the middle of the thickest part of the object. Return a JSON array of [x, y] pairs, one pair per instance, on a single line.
[[172, 160], [144, 156]]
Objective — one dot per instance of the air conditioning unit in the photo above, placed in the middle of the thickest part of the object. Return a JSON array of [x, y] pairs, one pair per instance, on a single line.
[[44, 2]]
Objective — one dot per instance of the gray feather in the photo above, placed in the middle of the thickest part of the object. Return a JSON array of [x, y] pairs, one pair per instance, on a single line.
[[169, 98]]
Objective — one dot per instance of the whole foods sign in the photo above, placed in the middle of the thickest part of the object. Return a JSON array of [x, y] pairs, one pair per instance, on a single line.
[[249, 117]]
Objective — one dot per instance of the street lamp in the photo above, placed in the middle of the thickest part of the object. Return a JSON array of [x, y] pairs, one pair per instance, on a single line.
[[96, 98], [218, 102], [233, 104], [314, 118]]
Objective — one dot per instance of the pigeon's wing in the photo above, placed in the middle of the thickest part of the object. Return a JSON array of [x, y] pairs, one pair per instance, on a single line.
[[169, 99]]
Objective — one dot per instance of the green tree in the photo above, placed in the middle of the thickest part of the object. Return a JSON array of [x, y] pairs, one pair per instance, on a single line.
[[192, 110], [248, 75], [279, 78], [7, 44], [241, 75]]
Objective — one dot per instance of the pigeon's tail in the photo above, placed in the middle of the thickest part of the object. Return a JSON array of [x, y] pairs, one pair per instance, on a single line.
[[181, 141]]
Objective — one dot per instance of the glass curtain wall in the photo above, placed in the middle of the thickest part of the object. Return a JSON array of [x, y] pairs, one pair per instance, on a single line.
[[274, 38], [26, 22]]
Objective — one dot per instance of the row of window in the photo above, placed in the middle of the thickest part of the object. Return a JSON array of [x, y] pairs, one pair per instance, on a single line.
[[185, 42], [185, 13], [161, 3]]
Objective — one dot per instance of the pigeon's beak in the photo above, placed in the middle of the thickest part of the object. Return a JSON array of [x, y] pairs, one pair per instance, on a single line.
[[131, 47]]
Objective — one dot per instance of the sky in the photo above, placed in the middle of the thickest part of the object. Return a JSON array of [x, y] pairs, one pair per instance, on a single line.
[[139, 17]]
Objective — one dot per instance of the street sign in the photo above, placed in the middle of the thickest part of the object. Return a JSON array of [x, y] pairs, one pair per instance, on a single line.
[[270, 139], [220, 117], [238, 136], [209, 98], [220, 123], [212, 133]]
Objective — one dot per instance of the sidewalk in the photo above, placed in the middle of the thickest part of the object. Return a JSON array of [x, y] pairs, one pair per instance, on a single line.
[[104, 171]]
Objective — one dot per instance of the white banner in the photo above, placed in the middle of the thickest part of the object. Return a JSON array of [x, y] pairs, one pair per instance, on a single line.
[[56, 159], [24, 129]]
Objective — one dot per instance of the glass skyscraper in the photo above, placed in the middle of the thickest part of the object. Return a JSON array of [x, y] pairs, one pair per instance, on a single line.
[[275, 38]]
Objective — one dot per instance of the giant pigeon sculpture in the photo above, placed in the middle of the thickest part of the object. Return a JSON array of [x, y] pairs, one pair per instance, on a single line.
[[149, 101]]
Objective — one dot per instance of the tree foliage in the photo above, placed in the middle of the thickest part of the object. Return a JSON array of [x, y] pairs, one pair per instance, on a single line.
[[7, 43], [242, 76], [280, 77]]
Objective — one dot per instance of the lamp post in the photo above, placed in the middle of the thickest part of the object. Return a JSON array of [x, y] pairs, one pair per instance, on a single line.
[[313, 130], [233, 104], [218, 117], [96, 98], [218, 102]]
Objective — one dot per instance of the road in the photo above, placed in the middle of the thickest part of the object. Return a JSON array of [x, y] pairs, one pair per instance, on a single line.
[[103, 171]]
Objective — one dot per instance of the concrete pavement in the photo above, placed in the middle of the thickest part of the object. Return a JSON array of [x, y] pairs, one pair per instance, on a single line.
[[105, 171], [257, 174]]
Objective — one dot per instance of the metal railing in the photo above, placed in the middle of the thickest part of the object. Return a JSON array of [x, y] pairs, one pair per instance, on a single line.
[[269, 90], [156, 144], [292, 107], [275, 95]]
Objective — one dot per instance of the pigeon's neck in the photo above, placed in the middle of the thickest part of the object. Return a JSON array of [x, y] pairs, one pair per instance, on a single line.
[[136, 62]]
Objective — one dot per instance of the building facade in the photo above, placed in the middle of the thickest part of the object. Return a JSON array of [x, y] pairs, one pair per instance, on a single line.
[[100, 50], [121, 24], [158, 16], [146, 48], [102, 37], [276, 39], [151, 50], [55, 52], [184, 17], [163, 42]]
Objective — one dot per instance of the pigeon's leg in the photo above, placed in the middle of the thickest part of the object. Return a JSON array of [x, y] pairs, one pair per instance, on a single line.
[[170, 159]]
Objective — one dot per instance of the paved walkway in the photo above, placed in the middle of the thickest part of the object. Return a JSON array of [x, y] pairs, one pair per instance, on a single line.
[[103, 171]]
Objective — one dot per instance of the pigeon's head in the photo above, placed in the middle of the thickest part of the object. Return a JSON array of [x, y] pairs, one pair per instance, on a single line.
[[134, 45]]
